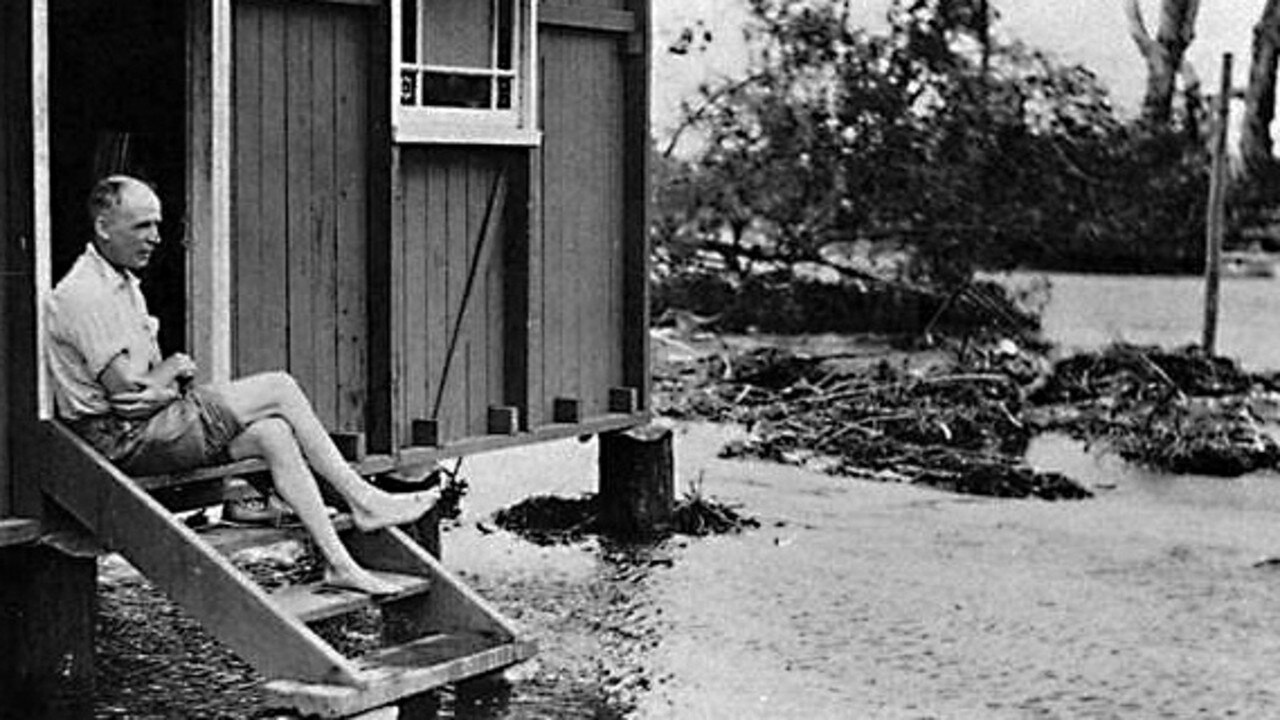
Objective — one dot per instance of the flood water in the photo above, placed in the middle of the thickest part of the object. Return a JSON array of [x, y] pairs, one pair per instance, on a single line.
[[1089, 311], [602, 613]]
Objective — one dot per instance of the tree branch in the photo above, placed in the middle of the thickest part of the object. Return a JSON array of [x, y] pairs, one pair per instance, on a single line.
[[1138, 29]]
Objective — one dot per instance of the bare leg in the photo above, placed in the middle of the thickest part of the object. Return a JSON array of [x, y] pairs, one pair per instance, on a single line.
[[273, 440], [277, 395]]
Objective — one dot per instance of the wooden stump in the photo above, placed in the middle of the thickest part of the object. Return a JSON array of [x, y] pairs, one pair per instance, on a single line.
[[637, 481], [47, 604]]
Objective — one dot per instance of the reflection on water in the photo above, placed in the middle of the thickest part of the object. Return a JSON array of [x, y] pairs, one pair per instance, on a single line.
[[1089, 311], [1106, 473]]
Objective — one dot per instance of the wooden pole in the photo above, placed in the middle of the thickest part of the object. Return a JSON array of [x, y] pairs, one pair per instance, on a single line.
[[637, 481], [1216, 213]]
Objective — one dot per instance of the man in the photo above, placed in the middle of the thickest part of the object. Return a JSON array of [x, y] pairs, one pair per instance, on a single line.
[[145, 415]]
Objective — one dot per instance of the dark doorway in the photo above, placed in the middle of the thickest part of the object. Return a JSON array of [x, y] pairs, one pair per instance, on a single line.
[[117, 89]]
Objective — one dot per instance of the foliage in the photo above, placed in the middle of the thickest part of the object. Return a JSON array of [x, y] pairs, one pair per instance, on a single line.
[[915, 155]]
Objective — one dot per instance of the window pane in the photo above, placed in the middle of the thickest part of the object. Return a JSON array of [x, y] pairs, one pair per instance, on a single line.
[[506, 28], [461, 91], [458, 32], [504, 94], [408, 87], [409, 31]]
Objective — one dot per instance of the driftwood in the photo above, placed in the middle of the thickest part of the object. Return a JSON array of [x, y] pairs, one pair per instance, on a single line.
[[952, 428]]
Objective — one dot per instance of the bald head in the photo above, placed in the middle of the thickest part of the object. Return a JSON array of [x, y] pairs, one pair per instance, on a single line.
[[126, 220], [108, 192]]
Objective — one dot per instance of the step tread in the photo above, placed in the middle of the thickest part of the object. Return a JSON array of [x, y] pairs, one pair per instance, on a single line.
[[370, 465], [230, 538], [311, 602], [204, 493], [405, 670], [429, 651]]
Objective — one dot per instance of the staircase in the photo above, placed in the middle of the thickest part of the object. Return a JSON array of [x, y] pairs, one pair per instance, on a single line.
[[436, 630]]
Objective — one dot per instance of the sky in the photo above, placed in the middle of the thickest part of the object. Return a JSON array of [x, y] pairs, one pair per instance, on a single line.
[[1091, 32]]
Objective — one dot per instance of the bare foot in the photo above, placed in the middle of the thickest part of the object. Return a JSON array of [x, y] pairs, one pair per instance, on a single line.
[[379, 510], [360, 580]]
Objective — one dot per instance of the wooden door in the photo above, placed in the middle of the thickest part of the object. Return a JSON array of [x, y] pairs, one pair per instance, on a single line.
[[300, 197], [17, 336]]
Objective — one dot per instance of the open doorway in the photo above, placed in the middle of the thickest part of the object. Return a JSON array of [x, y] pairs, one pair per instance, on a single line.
[[117, 94]]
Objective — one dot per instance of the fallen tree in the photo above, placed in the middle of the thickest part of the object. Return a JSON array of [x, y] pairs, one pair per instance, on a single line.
[[963, 423], [953, 426]]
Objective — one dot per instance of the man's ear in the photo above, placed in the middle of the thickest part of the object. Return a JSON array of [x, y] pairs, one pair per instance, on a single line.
[[100, 226]]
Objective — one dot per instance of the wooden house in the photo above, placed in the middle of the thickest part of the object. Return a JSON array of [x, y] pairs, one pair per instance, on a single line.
[[431, 212]]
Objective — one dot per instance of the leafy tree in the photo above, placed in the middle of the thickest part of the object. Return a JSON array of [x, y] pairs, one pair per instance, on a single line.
[[929, 142]]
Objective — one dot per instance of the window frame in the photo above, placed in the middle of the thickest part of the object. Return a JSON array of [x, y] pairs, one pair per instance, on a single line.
[[452, 125]]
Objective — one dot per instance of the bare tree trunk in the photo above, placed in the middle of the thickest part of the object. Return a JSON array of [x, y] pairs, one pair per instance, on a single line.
[[1260, 97], [1163, 54]]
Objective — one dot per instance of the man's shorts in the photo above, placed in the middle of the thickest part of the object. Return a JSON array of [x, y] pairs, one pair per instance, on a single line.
[[193, 431]]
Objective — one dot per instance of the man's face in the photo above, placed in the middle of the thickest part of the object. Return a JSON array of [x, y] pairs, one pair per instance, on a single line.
[[129, 232]]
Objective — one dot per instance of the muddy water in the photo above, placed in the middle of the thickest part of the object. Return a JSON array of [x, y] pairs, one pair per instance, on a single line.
[[857, 600], [1089, 311]]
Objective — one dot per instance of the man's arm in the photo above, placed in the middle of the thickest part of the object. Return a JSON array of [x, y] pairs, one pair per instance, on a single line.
[[141, 394]]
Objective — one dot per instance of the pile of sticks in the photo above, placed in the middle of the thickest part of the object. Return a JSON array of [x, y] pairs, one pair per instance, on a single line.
[[956, 427]]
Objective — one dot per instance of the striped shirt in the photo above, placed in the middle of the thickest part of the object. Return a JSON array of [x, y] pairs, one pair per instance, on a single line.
[[96, 314]]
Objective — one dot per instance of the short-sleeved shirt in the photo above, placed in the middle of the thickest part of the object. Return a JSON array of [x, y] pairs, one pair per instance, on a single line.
[[96, 314]]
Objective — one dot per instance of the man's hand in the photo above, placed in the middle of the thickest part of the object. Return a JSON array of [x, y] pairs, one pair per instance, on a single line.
[[141, 404], [177, 367]]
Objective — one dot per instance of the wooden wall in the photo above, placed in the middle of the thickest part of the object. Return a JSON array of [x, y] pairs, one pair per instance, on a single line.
[[442, 199], [583, 162], [551, 309], [16, 351], [301, 199]]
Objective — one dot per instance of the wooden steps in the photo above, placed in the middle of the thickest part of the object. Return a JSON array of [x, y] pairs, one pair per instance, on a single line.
[[312, 602], [404, 671], [436, 630], [209, 485], [370, 465], [315, 601], [231, 538]]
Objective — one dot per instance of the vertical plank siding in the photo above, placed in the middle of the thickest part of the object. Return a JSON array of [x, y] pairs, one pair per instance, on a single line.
[[15, 188], [9, 26], [301, 200], [583, 163], [440, 220], [547, 315], [637, 257]]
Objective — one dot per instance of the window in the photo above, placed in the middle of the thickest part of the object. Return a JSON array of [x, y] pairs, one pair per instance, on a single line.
[[464, 71]]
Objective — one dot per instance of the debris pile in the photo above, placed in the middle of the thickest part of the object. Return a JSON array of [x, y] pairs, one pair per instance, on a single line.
[[1182, 410], [955, 425], [698, 514], [552, 520], [963, 424]]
